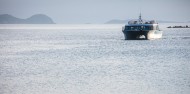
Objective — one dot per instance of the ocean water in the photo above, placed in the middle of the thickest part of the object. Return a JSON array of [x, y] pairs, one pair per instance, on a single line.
[[92, 59]]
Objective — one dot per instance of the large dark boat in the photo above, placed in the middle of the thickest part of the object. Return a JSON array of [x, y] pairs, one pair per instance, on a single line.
[[135, 29]]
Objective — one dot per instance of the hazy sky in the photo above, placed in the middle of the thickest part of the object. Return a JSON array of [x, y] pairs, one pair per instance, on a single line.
[[98, 11]]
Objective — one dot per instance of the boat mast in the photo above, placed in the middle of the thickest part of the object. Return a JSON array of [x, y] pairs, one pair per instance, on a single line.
[[140, 19]]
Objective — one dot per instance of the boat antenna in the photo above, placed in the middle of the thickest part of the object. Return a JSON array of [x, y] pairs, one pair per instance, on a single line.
[[140, 19]]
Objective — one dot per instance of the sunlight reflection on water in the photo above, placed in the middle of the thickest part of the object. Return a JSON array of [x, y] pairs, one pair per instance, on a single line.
[[92, 61]]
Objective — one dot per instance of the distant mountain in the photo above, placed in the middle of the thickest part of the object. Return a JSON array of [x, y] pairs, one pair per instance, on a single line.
[[159, 21], [35, 19], [116, 21]]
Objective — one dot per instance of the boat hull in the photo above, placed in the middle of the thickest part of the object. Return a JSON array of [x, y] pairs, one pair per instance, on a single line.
[[151, 34]]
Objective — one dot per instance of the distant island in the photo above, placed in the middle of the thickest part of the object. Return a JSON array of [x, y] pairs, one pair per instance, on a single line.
[[35, 19], [117, 21], [179, 26]]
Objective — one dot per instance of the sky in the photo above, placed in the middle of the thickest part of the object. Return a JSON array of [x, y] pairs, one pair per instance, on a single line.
[[98, 11]]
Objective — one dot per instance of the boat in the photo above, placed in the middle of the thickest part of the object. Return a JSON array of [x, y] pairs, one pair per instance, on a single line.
[[140, 29]]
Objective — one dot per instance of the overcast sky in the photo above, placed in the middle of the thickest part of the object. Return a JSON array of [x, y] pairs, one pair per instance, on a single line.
[[98, 11]]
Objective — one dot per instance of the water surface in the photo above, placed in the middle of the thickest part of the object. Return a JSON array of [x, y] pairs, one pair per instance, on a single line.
[[92, 59]]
